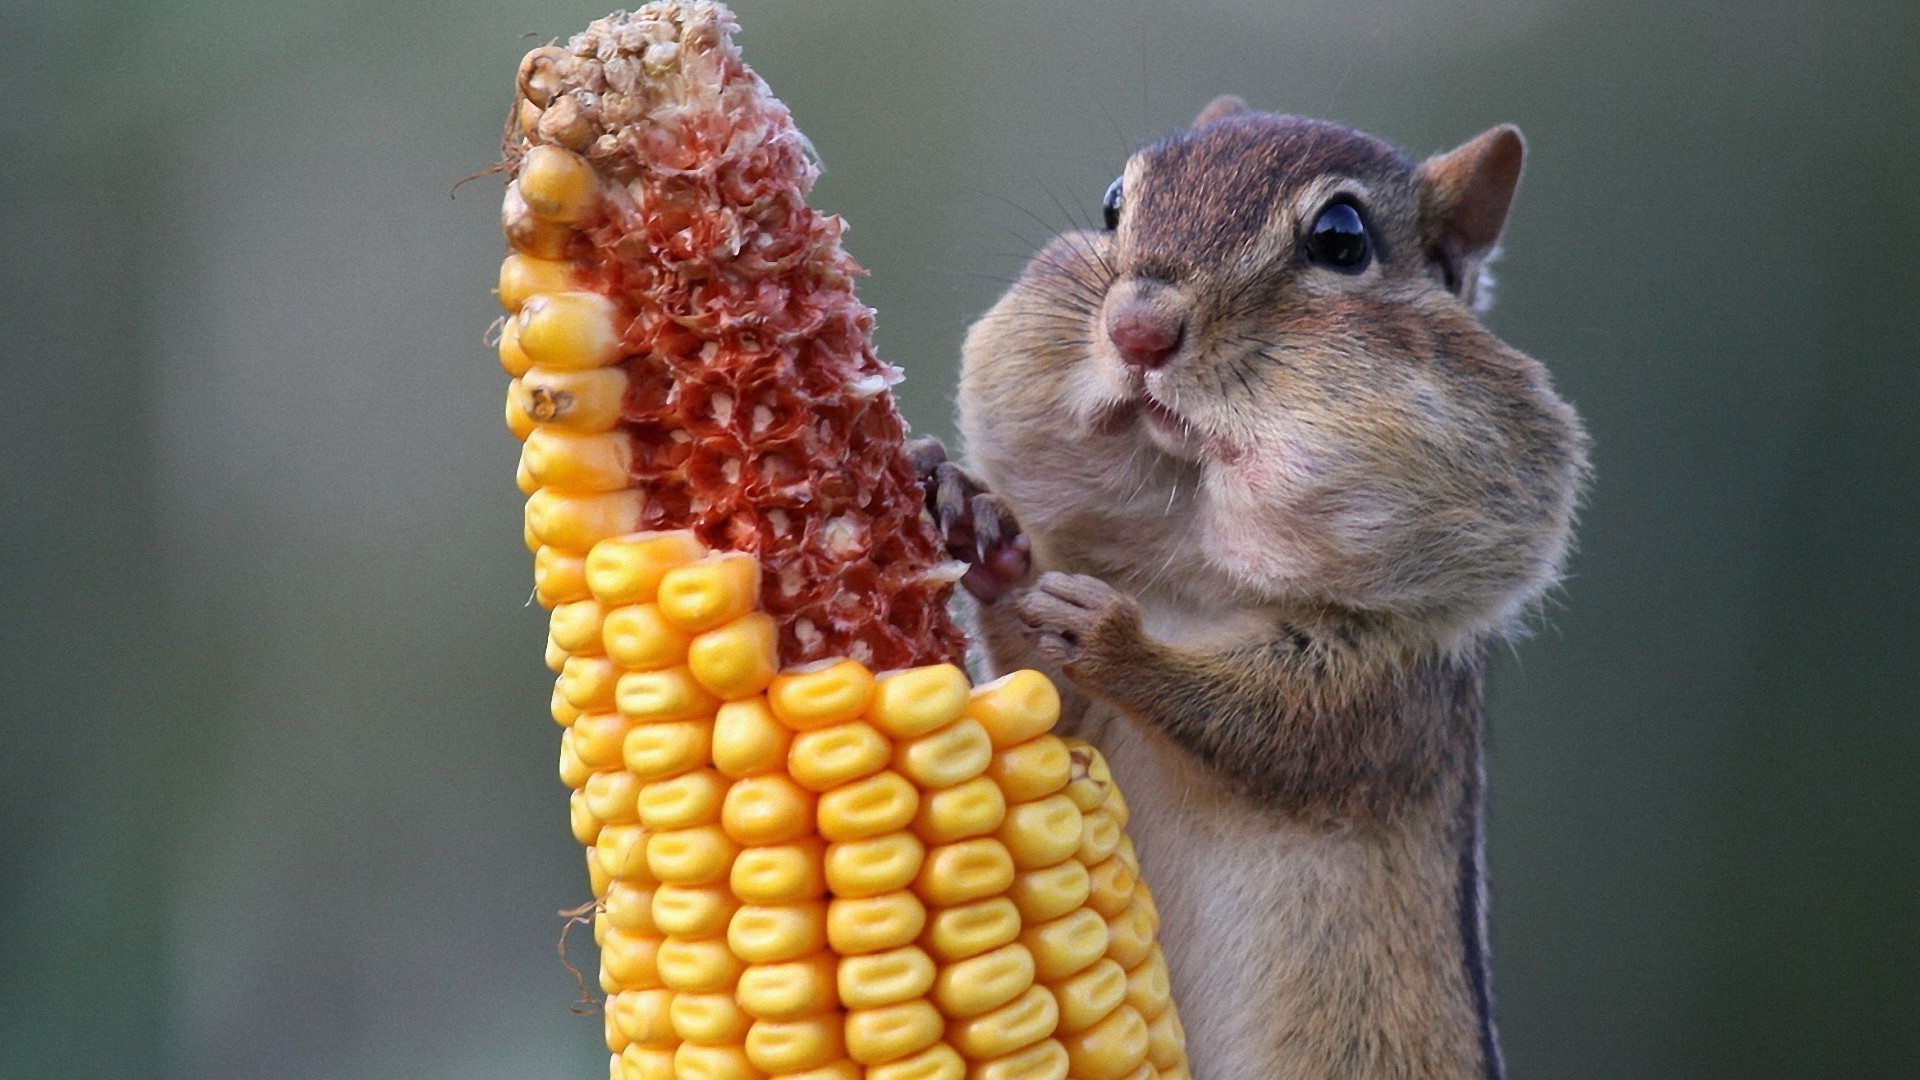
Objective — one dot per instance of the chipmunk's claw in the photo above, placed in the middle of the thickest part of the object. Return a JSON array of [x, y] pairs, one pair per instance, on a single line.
[[1070, 617], [975, 525]]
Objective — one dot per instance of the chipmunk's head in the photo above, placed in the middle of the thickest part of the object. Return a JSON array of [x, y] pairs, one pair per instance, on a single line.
[[1282, 311]]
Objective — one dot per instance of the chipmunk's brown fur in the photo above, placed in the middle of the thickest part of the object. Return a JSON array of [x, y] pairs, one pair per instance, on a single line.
[[1271, 560]]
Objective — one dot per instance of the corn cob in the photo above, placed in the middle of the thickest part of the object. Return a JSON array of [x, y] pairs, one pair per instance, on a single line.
[[817, 852]]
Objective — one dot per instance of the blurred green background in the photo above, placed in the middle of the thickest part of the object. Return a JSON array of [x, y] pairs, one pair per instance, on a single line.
[[277, 794]]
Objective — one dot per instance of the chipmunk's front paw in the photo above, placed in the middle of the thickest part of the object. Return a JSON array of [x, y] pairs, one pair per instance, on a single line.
[[1079, 622], [975, 525]]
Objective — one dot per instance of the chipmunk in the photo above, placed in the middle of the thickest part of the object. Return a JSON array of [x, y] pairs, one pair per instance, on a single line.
[[1245, 468]]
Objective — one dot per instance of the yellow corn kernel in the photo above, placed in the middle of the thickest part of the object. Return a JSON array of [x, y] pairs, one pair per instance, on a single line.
[[577, 462], [529, 233], [1044, 1060], [947, 757], [657, 751], [581, 521], [821, 695], [1032, 770], [981, 983], [1130, 936], [629, 906], [616, 1039], [597, 737], [564, 712], [588, 682], [1015, 708], [973, 808], [642, 1016], [880, 864], [874, 923], [1126, 854], [512, 357], [620, 853], [1177, 1072], [523, 479], [911, 703], [696, 1061], [965, 870], [630, 960], [713, 1018], [597, 877], [1047, 894], [702, 966], [637, 637], [936, 1062], [736, 660], [882, 803], [699, 855], [1166, 1040], [1087, 998], [1110, 1049], [1099, 837], [520, 422], [558, 184], [1067, 945], [573, 772], [692, 911], [1112, 887], [968, 930], [570, 331], [668, 694], [768, 810], [556, 656], [715, 590], [692, 798], [585, 826], [890, 1032], [1041, 833], [1148, 989], [839, 1070], [748, 740], [827, 757], [779, 874], [1116, 804], [559, 577], [771, 933], [523, 277], [628, 569], [794, 990], [645, 1063], [575, 627], [885, 978], [1091, 784], [1019, 1023], [574, 400], [783, 1047], [611, 796]]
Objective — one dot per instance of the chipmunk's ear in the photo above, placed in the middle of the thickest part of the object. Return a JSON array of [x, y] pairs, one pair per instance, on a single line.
[[1464, 196], [1219, 109]]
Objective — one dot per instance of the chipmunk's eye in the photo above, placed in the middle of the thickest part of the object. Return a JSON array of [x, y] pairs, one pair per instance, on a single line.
[[1110, 206], [1338, 239]]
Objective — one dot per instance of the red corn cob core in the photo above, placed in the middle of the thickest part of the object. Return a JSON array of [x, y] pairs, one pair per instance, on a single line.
[[759, 415]]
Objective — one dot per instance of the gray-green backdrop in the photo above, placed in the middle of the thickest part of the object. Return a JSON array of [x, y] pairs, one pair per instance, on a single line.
[[276, 784]]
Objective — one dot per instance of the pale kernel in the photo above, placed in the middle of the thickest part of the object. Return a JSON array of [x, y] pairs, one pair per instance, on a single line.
[[1041, 833], [642, 1016], [1087, 998], [1066, 945], [620, 853], [638, 637], [1047, 894], [780, 874], [581, 521], [1015, 707], [968, 930], [874, 923], [1021, 1022], [523, 276], [965, 870], [768, 809], [694, 856], [702, 966], [769, 934], [748, 740], [657, 751], [870, 867], [588, 682], [1044, 1060], [936, 1062], [699, 1061], [575, 627], [570, 331], [884, 1034], [558, 184], [988, 981], [611, 796], [947, 757], [692, 911], [827, 757], [709, 1018], [973, 808], [1110, 1049], [628, 569], [574, 400], [832, 692], [791, 991], [739, 659], [882, 803], [706, 594], [911, 703], [783, 1047], [885, 978], [1148, 988], [559, 576], [692, 798], [667, 694], [1031, 770], [629, 906], [577, 462]]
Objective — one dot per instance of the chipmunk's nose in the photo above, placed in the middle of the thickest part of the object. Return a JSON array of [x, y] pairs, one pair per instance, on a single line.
[[1143, 332]]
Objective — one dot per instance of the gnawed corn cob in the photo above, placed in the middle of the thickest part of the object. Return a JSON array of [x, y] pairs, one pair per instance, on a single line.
[[817, 851]]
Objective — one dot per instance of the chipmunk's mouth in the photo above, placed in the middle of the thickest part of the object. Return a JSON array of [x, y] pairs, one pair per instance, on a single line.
[[1169, 431]]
